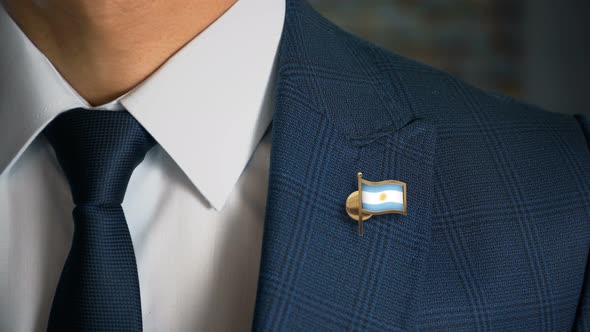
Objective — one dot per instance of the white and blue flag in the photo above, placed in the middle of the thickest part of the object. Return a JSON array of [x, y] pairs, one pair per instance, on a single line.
[[383, 197]]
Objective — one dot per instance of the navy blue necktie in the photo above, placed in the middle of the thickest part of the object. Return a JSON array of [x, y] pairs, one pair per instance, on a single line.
[[98, 289]]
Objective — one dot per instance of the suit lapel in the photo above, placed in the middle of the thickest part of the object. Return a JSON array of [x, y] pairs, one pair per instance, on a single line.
[[332, 121]]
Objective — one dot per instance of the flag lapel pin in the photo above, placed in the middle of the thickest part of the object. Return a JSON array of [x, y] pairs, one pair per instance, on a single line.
[[374, 198]]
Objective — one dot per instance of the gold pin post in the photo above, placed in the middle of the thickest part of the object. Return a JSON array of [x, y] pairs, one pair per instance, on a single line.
[[354, 205], [360, 202]]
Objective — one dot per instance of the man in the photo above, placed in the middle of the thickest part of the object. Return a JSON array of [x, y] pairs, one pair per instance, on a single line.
[[235, 218]]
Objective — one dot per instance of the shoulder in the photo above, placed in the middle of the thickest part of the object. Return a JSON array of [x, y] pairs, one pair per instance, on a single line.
[[434, 93], [381, 90]]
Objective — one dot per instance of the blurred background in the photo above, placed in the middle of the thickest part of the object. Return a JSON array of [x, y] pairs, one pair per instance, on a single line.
[[535, 50]]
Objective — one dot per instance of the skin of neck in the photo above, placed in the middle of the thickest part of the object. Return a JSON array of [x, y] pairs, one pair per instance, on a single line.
[[104, 48]]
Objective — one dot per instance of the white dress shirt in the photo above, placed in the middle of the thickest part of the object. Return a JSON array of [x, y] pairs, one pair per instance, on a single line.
[[195, 206]]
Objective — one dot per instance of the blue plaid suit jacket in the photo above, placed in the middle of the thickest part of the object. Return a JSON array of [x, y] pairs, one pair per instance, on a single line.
[[497, 232]]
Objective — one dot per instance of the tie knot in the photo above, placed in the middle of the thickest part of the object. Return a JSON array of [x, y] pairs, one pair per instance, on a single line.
[[98, 151]]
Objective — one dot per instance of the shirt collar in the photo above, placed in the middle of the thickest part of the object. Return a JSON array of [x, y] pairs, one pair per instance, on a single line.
[[208, 106]]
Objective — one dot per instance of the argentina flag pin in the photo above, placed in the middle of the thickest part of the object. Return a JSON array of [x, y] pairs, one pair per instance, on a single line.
[[374, 198]]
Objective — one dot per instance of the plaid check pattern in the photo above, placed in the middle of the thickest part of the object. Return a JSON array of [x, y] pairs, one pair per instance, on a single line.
[[497, 232]]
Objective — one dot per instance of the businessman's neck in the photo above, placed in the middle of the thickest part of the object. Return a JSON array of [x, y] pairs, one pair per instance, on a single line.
[[105, 48]]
